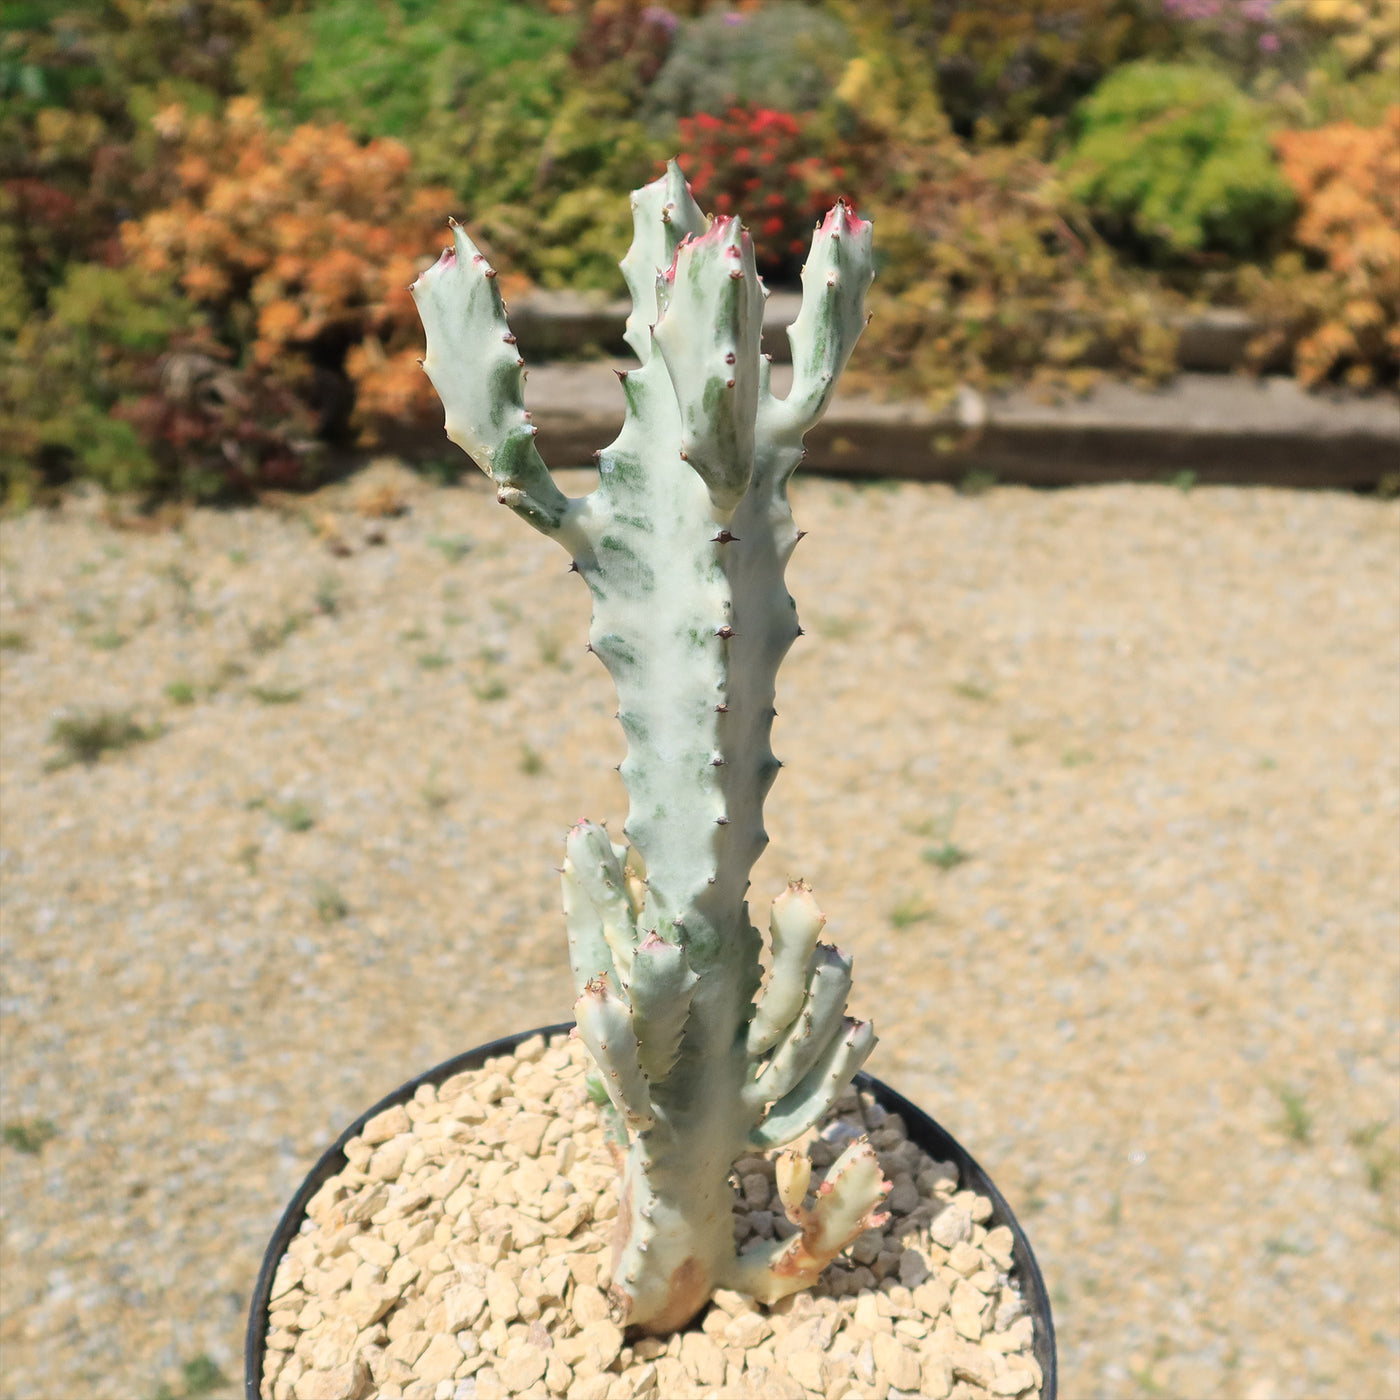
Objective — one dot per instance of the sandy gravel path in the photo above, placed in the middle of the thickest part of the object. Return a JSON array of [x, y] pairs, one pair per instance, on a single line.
[[1160, 1001]]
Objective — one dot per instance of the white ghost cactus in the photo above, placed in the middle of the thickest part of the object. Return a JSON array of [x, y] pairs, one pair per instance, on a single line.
[[683, 545]]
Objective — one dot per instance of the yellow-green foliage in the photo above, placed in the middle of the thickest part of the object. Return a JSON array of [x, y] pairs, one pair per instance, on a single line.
[[992, 275], [999, 63], [1176, 159], [64, 373]]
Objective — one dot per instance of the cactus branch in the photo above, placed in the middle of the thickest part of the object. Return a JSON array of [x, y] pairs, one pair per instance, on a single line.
[[844, 1207], [683, 545]]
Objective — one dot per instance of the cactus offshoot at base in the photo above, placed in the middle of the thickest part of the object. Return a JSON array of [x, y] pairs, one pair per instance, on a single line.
[[683, 545]]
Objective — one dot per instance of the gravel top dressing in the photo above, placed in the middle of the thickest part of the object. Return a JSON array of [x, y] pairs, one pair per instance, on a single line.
[[1100, 787], [463, 1255]]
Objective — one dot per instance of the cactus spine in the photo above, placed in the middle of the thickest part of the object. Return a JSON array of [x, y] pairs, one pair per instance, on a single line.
[[683, 545]]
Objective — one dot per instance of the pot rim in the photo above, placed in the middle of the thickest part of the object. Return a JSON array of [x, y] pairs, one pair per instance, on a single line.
[[929, 1134]]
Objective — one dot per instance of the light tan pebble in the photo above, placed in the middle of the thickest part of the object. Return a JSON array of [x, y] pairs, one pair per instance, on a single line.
[[447, 1179], [935, 1376], [714, 1322], [367, 1305], [747, 1329], [672, 1380], [388, 1160], [386, 1125], [593, 1387], [282, 1317], [998, 1246], [335, 1343], [351, 1381], [967, 1311], [329, 1281], [284, 1339], [440, 1358], [760, 1359], [865, 1362], [603, 1342], [366, 1204], [588, 1304], [408, 1346], [288, 1276], [964, 1259], [978, 1207], [358, 1152], [403, 1272], [557, 1375], [526, 1132], [951, 1226], [896, 1362], [493, 1088], [972, 1364], [868, 1314], [374, 1251], [523, 1367], [913, 1329], [1010, 1306], [502, 1297], [489, 1385], [405, 1319], [733, 1303], [701, 1357], [810, 1370], [984, 1280]]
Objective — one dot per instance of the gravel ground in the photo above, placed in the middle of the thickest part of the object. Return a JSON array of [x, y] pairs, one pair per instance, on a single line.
[[1160, 999]]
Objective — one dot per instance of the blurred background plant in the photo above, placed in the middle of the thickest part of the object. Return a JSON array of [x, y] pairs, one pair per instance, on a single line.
[[209, 209]]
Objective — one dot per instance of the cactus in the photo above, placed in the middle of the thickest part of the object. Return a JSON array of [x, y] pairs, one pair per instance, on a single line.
[[683, 545]]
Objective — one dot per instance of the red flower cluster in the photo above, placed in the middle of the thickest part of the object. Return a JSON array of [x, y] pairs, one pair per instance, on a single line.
[[766, 166]]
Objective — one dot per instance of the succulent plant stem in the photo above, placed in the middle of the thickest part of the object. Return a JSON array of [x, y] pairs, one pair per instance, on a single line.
[[683, 545]]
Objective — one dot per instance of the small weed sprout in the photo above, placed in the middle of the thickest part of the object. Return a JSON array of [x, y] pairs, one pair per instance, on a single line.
[[275, 694], [85, 736], [1297, 1122], [330, 904], [29, 1135], [293, 816], [453, 548], [180, 692], [531, 761], [909, 912]]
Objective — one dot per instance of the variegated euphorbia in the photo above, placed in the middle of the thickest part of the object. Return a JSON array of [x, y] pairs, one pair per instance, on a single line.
[[683, 545]]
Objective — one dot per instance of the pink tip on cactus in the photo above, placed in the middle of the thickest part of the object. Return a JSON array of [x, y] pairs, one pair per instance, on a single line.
[[842, 217], [652, 943]]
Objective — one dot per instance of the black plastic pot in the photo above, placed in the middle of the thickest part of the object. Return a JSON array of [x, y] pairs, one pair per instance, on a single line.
[[921, 1128]]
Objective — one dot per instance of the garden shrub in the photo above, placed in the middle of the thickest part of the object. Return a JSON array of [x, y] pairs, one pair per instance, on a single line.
[[1174, 160], [767, 167], [992, 276], [784, 56], [998, 64], [300, 247], [1336, 306], [624, 42], [122, 382], [383, 68]]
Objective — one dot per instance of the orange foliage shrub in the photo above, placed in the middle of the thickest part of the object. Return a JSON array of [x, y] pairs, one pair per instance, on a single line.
[[303, 244], [1344, 315]]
